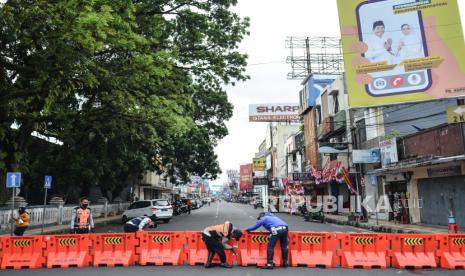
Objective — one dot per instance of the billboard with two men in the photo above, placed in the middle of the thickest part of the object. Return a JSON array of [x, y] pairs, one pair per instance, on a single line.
[[398, 51]]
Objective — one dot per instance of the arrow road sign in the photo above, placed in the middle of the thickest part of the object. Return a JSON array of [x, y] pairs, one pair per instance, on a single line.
[[48, 182], [13, 180]]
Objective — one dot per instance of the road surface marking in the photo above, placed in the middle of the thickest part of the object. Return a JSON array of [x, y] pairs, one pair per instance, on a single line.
[[217, 209]]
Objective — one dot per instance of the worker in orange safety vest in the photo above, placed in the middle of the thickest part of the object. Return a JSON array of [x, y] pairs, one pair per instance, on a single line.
[[216, 238], [81, 220]]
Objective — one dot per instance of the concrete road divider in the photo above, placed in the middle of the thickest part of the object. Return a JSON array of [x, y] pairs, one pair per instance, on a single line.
[[363, 250], [160, 248], [313, 249], [23, 252], [413, 250], [114, 249], [68, 250]]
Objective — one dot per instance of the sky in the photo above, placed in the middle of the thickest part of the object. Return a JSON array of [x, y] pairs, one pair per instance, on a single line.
[[271, 22]]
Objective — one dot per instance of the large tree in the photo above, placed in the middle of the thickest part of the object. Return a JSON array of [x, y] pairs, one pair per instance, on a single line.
[[126, 85]]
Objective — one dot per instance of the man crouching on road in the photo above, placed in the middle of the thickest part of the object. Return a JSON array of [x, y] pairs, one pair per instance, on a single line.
[[140, 223], [216, 238], [278, 231]]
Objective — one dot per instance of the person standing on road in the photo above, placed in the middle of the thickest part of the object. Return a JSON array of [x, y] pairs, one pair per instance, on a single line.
[[140, 223], [22, 221], [189, 206], [216, 238], [81, 219], [278, 231]]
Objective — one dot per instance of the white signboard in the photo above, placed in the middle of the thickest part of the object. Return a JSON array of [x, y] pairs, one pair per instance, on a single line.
[[274, 112], [388, 152], [369, 156]]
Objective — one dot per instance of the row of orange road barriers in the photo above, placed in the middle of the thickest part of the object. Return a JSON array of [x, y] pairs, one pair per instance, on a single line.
[[319, 249]]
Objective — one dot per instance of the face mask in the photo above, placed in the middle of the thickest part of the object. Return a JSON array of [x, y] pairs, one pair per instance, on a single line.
[[84, 206]]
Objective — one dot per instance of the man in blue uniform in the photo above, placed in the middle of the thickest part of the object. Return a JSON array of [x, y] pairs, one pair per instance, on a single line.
[[278, 231], [140, 223]]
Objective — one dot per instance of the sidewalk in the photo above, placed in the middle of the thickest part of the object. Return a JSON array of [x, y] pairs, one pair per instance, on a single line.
[[64, 228], [386, 226]]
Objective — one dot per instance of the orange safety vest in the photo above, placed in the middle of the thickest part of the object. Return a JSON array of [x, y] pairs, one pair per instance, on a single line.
[[220, 229], [82, 217]]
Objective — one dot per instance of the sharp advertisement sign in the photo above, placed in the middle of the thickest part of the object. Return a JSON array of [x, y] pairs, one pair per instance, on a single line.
[[398, 51], [274, 112]]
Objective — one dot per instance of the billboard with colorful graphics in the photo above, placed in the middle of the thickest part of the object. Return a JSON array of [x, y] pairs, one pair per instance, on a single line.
[[398, 51]]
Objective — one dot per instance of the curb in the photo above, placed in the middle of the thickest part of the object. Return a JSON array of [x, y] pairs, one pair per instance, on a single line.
[[374, 228], [64, 228]]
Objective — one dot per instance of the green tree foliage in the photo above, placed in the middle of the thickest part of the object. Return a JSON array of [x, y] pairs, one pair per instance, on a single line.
[[126, 85]]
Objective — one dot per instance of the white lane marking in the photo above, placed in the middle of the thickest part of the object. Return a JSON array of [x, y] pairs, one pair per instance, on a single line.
[[217, 209], [251, 217]]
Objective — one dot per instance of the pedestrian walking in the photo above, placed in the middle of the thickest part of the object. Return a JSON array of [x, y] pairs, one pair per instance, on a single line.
[[216, 239], [278, 231], [81, 219], [140, 223], [22, 221]]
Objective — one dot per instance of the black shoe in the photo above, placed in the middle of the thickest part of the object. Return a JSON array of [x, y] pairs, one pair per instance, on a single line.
[[285, 264], [268, 266], [225, 265], [209, 260]]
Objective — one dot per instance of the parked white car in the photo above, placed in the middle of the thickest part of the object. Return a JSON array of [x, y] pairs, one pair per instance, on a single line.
[[159, 207]]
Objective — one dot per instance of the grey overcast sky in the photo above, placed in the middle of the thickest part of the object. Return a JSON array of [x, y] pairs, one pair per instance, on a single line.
[[271, 22]]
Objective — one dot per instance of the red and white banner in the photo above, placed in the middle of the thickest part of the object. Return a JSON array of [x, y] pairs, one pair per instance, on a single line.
[[245, 177]]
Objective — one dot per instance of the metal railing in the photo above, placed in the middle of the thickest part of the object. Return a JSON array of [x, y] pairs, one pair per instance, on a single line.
[[56, 215]]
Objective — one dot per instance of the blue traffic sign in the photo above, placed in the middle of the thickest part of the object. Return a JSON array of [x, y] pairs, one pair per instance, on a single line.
[[48, 182], [13, 180]]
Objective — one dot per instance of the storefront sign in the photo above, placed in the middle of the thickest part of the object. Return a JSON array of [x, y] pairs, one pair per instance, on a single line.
[[369, 156], [446, 171], [260, 181], [302, 177], [388, 150], [259, 164], [327, 148]]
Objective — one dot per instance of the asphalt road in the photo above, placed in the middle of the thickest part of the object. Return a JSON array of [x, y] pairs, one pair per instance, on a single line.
[[240, 215], [235, 271]]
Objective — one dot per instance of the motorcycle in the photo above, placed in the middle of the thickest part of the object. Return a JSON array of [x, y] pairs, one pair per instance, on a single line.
[[318, 216]]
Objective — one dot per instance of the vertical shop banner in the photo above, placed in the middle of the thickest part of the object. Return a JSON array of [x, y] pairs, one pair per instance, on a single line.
[[398, 51], [245, 177], [388, 150]]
